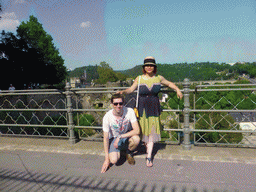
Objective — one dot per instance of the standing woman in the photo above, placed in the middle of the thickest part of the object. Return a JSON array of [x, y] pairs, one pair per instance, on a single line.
[[149, 105]]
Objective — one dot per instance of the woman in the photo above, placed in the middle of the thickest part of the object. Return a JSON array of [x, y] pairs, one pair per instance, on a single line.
[[149, 105]]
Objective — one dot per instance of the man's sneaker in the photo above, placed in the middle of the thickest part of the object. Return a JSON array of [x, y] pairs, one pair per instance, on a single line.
[[130, 159]]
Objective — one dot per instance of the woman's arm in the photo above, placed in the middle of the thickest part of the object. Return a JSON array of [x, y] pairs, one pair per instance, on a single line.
[[130, 89], [172, 86]]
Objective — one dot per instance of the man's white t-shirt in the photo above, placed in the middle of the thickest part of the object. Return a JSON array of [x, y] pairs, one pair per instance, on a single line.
[[115, 126]]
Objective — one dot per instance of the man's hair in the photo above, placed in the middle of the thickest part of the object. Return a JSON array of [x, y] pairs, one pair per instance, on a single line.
[[117, 96]]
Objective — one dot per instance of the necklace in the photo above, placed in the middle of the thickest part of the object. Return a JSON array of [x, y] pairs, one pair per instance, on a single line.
[[146, 77]]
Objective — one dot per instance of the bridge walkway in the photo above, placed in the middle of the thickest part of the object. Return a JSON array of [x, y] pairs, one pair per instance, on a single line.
[[33, 164]]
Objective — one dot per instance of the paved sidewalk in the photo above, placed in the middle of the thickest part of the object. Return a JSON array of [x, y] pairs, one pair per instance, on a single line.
[[162, 151], [40, 165]]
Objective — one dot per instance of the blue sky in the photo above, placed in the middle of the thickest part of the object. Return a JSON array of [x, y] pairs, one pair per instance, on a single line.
[[124, 32]]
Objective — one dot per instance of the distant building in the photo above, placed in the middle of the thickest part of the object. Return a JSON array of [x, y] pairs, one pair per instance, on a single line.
[[239, 62], [75, 82], [164, 97], [247, 120]]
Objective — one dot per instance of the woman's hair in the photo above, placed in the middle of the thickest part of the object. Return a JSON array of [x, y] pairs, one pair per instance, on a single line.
[[144, 72]]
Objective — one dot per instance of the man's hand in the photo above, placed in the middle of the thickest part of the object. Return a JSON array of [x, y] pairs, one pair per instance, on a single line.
[[105, 166], [116, 142]]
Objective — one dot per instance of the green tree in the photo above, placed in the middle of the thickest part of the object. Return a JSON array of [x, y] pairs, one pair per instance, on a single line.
[[33, 33], [30, 56], [252, 71], [121, 76], [106, 73], [12, 60]]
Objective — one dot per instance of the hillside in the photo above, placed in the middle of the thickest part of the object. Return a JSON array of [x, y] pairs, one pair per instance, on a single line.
[[91, 72], [179, 71]]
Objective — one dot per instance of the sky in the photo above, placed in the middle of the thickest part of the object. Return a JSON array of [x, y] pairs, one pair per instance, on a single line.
[[123, 32]]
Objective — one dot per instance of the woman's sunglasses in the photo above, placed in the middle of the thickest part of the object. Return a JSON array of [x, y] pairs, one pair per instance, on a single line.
[[120, 103]]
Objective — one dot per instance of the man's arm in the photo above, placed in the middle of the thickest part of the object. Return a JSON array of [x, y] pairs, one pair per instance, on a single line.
[[106, 146], [135, 131], [134, 122]]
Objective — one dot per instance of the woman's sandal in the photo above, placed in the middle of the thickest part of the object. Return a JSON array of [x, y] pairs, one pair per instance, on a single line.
[[149, 161]]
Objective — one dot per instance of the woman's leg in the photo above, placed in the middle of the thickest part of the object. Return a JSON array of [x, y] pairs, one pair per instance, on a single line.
[[150, 146]]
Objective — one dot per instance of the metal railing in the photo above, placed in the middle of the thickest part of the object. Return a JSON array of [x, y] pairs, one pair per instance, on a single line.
[[77, 114], [244, 137]]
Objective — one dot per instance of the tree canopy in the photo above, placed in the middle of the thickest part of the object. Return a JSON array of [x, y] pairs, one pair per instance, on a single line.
[[106, 73], [30, 56]]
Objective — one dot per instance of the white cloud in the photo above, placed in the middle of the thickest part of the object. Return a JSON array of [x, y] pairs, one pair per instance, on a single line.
[[85, 24], [9, 21], [11, 15]]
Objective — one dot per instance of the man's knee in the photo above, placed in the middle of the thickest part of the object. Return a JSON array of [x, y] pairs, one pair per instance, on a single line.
[[114, 157], [133, 142], [113, 160]]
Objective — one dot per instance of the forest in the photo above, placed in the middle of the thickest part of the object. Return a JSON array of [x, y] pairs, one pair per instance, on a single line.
[[175, 72]]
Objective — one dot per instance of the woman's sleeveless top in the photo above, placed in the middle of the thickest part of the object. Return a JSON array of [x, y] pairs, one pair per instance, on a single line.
[[148, 96]]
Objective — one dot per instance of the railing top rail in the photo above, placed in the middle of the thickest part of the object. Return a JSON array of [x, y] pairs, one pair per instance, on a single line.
[[228, 89], [223, 110], [102, 89], [30, 90], [226, 85], [112, 90], [32, 93], [97, 88]]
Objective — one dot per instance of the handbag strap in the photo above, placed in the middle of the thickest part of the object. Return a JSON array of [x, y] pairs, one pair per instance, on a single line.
[[138, 92]]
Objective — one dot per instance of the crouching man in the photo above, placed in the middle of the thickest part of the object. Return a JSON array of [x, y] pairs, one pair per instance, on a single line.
[[121, 132]]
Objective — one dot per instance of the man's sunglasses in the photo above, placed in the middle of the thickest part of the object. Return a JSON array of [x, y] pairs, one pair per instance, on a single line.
[[120, 103]]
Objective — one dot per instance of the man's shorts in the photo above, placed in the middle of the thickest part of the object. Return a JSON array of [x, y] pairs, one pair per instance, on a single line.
[[122, 145]]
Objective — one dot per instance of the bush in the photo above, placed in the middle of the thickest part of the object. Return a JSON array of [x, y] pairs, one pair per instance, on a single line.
[[215, 121], [84, 120], [170, 135]]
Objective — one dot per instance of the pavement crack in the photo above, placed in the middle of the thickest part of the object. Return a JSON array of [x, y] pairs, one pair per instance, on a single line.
[[30, 174]]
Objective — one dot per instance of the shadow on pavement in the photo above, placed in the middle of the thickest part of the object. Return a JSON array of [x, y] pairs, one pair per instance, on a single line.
[[13, 180], [141, 150]]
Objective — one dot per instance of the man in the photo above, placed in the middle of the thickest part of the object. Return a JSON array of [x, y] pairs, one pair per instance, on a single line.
[[11, 88], [120, 131]]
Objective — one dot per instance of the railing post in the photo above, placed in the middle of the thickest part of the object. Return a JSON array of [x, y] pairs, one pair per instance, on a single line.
[[72, 139], [186, 130]]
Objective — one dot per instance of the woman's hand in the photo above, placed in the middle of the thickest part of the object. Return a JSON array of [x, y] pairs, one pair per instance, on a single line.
[[179, 94], [120, 92], [130, 89]]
